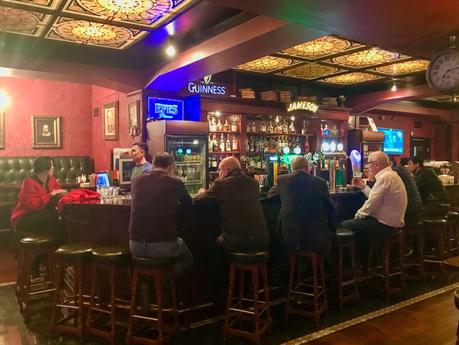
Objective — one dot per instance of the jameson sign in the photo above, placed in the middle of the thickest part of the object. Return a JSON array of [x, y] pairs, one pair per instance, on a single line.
[[302, 105]]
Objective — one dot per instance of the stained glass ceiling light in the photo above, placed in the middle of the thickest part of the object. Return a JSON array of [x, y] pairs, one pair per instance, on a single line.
[[319, 47], [265, 64], [404, 67], [351, 78], [310, 71], [366, 58], [92, 33]]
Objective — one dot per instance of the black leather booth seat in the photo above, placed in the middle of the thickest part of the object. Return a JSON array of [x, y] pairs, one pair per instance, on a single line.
[[14, 169]]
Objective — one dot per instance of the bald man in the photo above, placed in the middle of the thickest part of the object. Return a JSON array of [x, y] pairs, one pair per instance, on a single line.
[[384, 209], [243, 227]]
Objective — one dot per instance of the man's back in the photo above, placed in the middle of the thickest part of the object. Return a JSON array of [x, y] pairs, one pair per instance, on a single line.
[[430, 186], [307, 213], [243, 223], [156, 198], [413, 211]]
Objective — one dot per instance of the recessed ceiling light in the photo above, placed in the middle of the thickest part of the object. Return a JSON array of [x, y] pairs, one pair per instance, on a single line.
[[170, 50]]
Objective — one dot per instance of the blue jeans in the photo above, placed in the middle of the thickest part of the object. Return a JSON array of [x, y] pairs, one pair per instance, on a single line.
[[177, 249]]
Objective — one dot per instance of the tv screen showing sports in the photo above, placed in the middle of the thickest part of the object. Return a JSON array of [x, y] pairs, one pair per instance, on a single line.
[[393, 140], [103, 180]]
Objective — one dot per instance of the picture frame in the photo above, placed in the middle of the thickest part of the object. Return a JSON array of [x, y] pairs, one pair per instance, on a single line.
[[2, 130], [110, 121], [134, 115], [46, 132]]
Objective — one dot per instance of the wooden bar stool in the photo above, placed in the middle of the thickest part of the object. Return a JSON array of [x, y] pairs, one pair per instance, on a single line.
[[415, 234], [31, 249], [452, 235], [163, 322], [392, 265], [103, 320], [456, 303], [304, 298], [70, 260], [344, 241], [436, 229], [243, 310]]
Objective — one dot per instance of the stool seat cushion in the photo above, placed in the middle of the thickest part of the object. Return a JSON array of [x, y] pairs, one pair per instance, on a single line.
[[456, 298], [249, 257], [453, 214], [436, 221], [111, 253], [37, 240], [76, 250], [155, 262]]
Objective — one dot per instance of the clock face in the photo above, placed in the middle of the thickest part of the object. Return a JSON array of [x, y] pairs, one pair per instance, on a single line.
[[443, 71]]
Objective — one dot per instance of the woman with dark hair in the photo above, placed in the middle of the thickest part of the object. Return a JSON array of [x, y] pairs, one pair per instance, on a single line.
[[33, 212]]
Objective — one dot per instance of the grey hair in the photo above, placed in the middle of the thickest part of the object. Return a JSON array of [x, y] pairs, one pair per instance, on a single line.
[[300, 163]]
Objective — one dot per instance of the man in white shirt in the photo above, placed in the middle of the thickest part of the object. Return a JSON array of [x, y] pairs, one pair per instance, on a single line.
[[384, 209]]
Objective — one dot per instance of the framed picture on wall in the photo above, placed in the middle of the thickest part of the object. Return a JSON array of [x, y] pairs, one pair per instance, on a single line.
[[134, 117], [110, 121], [2, 130], [46, 132]]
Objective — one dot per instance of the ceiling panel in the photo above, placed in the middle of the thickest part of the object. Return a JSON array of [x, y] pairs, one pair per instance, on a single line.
[[22, 22], [310, 71], [33, 4], [336, 60], [95, 34], [267, 64]]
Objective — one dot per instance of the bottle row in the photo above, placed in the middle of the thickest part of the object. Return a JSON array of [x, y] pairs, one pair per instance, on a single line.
[[189, 174], [223, 143], [283, 143], [327, 131], [219, 125], [277, 126]]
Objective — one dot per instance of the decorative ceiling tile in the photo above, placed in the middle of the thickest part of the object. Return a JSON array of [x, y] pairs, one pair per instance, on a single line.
[[310, 71], [320, 47], [367, 58], [266, 64], [404, 67], [147, 13], [95, 34], [52, 4], [22, 21], [351, 78]]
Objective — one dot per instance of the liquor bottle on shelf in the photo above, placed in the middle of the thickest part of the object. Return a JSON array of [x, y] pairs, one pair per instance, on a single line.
[[211, 143], [212, 124], [233, 125], [284, 127], [304, 129], [254, 127], [263, 127], [291, 128], [234, 144], [226, 126], [270, 128], [227, 144], [325, 131], [184, 176], [219, 125], [222, 143]]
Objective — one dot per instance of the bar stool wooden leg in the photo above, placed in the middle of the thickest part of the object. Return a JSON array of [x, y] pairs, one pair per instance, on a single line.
[[290, 285], [133, 307], [229, 300], [256, 290]]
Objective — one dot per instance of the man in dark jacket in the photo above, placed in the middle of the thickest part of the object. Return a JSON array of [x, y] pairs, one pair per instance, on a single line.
[[430, 187], [307, 216], [156, 199], [243, 227], [414, 208]]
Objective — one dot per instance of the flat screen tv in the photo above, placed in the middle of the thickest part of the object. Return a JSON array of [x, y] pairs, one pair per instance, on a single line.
[[393, 140]]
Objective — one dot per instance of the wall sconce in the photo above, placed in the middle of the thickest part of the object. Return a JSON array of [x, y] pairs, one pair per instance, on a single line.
[[394, 86], [5, 100]]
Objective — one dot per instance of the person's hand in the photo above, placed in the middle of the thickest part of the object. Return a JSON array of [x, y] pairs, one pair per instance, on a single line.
[[58, 191], [358, 183], [201, 190]]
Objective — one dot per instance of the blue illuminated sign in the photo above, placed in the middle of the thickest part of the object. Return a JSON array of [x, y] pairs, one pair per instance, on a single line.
[[164, 109]]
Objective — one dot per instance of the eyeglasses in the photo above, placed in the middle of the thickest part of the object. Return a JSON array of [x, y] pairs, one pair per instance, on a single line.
[[369, 162]]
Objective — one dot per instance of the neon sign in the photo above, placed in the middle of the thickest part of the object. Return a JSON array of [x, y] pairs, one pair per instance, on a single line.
[[206, 87], [303, 105], [164, 109]]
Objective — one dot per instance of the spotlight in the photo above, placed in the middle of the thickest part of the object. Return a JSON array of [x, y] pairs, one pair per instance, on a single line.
[[170, 28], [218, 113], [170, 50], [394, 87]]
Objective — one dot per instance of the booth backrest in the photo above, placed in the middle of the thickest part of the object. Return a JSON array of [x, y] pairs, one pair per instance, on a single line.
[[66, 169]]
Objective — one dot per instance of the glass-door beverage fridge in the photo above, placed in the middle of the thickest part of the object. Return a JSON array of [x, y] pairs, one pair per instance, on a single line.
[[187, 142]]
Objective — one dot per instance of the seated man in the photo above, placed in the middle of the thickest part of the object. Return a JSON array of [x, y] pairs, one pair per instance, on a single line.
[[307, 215], [430, 187], [156, 199], [243, 227], [384, 209], [139, 152]]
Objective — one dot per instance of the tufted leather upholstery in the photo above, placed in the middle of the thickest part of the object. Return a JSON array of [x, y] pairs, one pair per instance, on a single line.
[[14, 169]]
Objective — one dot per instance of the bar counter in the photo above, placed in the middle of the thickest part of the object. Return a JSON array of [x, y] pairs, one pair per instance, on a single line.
[[106, 222]]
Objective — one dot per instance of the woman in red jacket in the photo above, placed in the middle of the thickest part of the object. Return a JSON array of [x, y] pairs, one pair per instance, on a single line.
[[33, 212]]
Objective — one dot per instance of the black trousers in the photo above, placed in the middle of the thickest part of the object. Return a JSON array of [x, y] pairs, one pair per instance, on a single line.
[[42, 222]]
